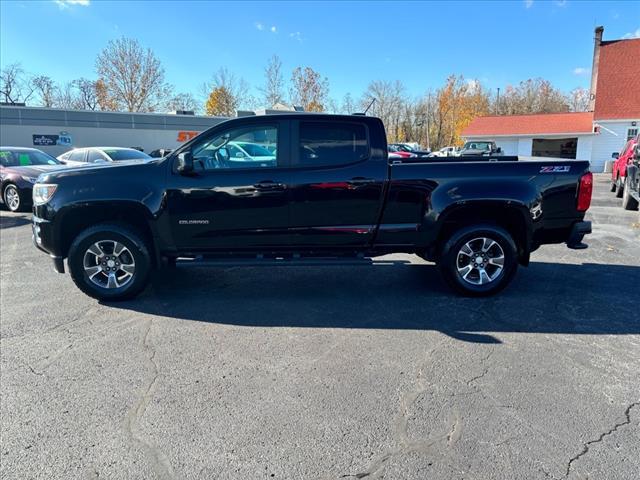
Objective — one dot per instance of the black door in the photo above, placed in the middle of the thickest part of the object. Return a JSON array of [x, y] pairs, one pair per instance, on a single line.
[[237, 196], [336, 184]]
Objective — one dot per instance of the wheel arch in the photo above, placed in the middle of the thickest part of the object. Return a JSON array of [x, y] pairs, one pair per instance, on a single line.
[[511, 216], [75, 219]]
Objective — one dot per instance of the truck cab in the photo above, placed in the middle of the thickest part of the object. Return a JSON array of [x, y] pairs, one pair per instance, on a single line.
[[480, 147]]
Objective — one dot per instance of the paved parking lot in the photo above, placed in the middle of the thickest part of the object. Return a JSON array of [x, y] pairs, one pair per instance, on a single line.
[[341, 372]]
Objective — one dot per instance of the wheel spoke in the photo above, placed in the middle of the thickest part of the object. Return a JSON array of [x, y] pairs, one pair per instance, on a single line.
[[466, 250], [484, 277], [118, 248], [465, 271], [497, 261], [487, 243], [128, 268], [112, 281], [95, 250], [93, 270]]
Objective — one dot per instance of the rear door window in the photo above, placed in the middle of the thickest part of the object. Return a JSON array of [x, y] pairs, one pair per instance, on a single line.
[[331, 144], [76, 156], [95, 156]]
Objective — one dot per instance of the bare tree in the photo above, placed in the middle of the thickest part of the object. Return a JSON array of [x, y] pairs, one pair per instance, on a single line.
[[532, 96], [274, 83], [578, 99], [14, 84], [309, 89], [348, 105], [66, 97], [46, 89], [183, 101], [386, 100], [87, 96], [133, 77]]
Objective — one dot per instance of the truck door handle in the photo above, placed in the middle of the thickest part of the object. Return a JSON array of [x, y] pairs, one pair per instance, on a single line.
[[269, 185], [361, 181]]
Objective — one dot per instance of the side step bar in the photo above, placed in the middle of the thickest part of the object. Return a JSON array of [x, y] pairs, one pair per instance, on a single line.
[[284, 262]]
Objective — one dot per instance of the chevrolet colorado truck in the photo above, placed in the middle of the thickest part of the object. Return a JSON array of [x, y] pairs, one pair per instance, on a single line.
[[305, 189]]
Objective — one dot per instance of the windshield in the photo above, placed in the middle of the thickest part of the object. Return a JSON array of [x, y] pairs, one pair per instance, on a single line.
[[126, 154], [25, 158], [477, 145]]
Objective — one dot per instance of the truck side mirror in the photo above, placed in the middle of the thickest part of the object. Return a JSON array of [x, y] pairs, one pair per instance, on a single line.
[[499, 150], [615, 155], [185, 162]]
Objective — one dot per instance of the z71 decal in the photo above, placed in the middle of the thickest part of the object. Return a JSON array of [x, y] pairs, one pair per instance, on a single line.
[[560, 169]]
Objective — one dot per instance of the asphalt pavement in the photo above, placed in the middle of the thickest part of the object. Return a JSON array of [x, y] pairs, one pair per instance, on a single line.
[[327, 373]]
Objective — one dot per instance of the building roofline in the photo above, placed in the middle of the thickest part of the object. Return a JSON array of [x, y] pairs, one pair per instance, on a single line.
[[525, 135], [534, 114]]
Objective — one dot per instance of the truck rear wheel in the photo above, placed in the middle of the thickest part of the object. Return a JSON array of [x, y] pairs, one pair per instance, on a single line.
[[628, 202], [479, 260], [109, 262]]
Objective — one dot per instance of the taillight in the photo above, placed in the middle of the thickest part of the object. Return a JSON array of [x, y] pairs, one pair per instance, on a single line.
[[585, 189]]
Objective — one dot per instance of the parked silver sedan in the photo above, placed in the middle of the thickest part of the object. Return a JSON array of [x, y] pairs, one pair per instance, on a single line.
[[84, 156]]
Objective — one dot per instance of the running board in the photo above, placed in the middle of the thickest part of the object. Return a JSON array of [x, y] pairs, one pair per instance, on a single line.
[[285, 262]]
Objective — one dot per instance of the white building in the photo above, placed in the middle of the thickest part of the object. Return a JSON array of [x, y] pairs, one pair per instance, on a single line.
[[612, 119]]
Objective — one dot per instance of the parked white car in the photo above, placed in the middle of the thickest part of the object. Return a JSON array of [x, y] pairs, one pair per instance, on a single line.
[[446, 152], [84, 156]]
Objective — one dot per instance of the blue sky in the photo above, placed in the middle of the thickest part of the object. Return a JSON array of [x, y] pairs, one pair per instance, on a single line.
[[351, 43]]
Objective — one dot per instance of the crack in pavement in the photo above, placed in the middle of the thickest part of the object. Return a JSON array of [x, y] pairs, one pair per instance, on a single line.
[[159, 461], [585, 447], [401, 437], [485, 371]]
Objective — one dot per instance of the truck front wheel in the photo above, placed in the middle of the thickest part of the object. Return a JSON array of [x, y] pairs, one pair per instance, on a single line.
[[109, 262], [479, 260]]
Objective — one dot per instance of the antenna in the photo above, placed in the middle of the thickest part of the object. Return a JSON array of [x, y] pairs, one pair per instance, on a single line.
[[370, 105]]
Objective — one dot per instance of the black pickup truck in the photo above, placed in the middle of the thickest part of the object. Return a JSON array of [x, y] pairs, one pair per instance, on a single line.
[[305, 189]]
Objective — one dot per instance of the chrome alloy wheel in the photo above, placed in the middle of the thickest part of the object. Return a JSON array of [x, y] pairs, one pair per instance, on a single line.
[[480, 261], [12, 198], [109, 264]]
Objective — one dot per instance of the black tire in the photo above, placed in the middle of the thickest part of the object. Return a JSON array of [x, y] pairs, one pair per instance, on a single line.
[[628, 202], [619, 188], [136, 253], [452, 259], [9, 190]]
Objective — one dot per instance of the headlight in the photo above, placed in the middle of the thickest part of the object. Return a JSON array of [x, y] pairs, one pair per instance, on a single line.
[[42, 192], [29, 179]]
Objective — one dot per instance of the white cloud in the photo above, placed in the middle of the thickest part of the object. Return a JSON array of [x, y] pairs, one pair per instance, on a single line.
[[561, 3], [528, 3], [62, 4], [635, 34], [580, 71], [259, 26], [274, 29], [297, 36]]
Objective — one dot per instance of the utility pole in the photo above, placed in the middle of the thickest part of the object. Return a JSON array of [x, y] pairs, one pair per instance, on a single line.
[[428, 115], [498, 102]]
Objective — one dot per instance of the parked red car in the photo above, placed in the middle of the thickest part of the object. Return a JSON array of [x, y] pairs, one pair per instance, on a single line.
[[619, 170]]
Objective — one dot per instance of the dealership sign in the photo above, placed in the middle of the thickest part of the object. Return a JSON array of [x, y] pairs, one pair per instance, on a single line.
[[185, 135], [47, 140]]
